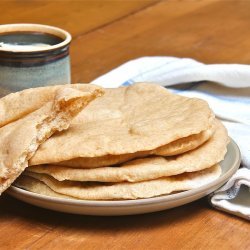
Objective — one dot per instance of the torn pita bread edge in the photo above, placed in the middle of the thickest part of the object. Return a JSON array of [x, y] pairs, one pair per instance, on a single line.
[[54, 116]]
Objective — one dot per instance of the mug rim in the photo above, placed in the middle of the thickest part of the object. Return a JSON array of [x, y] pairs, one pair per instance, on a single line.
[[32, 27]]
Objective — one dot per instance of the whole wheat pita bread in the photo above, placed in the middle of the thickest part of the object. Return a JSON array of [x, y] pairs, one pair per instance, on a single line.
[[173, 148], [16, 105], [126, 120], [207, 155], [21, 138], [125, 190]]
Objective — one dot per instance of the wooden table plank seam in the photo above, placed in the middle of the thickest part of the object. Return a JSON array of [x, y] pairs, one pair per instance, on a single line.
[[118, 19]]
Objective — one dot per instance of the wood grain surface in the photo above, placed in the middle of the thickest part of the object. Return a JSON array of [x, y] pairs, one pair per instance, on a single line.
[[106, 34]]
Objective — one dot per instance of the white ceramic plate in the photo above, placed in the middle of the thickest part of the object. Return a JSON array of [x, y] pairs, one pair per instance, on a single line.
[[229, 166]]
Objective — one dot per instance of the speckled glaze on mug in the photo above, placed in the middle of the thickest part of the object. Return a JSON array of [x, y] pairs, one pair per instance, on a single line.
[[33, 55]]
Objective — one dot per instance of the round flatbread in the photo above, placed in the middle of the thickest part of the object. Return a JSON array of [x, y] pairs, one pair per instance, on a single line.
[[126, 120]]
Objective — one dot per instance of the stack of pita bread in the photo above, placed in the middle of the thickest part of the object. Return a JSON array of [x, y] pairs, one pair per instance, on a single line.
[[133, 142]]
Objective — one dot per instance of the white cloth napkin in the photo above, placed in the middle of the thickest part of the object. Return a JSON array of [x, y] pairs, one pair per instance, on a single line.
[[226, 87]]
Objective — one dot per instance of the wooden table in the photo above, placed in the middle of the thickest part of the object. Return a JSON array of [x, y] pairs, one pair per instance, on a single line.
[[106, 34]]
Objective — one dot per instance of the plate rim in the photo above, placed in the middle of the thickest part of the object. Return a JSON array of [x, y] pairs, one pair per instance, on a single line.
[[138, 202]]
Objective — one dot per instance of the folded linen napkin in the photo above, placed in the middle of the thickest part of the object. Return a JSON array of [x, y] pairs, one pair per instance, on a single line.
[[226, 87]]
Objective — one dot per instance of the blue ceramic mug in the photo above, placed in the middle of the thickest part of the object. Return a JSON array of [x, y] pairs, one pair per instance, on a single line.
[[33, 55]]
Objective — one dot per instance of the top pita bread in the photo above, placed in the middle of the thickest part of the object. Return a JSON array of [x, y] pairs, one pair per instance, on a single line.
[[127, 120], [20, 139]]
